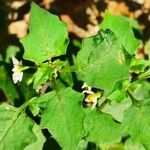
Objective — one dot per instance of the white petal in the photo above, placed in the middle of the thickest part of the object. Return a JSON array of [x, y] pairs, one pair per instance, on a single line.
[[87, 100], [15, 61], [84, 86], [15, 69], [20, 76], [87, 91], [17, 77], [89, 88]]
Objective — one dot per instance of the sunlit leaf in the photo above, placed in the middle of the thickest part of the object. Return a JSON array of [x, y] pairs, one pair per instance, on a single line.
[[15, 128], [47, 36], [102, 61], [123, 31], [64, 118]]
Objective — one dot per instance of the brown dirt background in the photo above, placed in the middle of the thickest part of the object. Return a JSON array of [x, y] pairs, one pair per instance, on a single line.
[[81, 16]]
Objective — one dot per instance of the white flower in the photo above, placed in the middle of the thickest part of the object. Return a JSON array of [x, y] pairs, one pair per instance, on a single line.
[[87, 89], [91, 97], [17, 71]]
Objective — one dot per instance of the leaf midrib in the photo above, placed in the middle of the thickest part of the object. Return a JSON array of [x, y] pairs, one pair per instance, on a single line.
[[62, 112], [16, 116]]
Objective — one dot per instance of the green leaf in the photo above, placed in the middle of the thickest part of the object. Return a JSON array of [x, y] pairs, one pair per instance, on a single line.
[[64, 118], [39, 103], [116, 110], [117, 146], [47, 36], [123, 31], [38, 145], [144, 75], [136, 123], [119, 92], [131, 145], [42, 75], [133, 23], [15, 128], [117, 96], [142, 91], [139, 65], [102, 129], [102, 61]]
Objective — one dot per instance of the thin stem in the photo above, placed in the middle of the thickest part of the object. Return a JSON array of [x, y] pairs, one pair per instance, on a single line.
[[26, 104]]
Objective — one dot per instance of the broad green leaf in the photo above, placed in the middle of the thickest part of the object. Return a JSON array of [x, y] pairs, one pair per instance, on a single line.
[[139, 65], [47, 36], [116, 110], [38, 145], [101, 128], [15, 128], [117, 96], [123, 31], [136, 123], [7, 85], [131, 145], [133, 23], [102, 61], [142, 91], [64, 117], [119, 92]]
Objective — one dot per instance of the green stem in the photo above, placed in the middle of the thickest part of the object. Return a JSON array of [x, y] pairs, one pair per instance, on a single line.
[[23, 106]]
